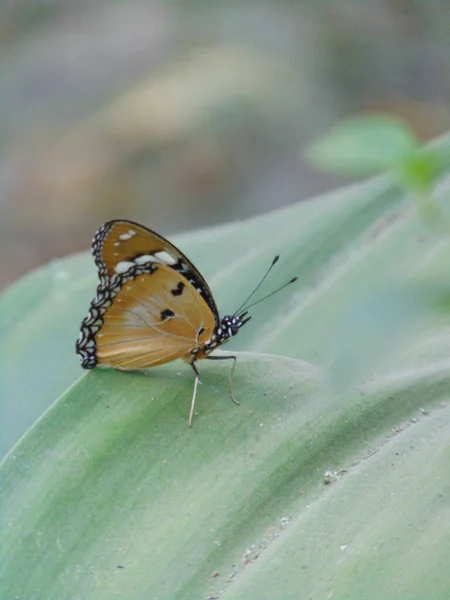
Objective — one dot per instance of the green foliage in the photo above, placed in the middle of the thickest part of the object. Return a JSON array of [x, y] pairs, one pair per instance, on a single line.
[[329, 478], [365, 145], [372, 144]]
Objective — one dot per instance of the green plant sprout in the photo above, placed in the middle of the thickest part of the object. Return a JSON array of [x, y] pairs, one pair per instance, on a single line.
[[372, 144]]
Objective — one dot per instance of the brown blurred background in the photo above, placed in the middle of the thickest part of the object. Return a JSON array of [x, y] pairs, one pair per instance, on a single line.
[[183, 114]]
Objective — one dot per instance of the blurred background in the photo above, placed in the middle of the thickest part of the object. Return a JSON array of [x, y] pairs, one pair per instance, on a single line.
[[186, 114]]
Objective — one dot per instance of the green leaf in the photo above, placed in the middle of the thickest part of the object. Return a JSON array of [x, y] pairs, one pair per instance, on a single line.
[[339, 492], [117, 448], [419, 171], [380, 531], [377, 324], [364, 145], [39, 322], [112, 495]]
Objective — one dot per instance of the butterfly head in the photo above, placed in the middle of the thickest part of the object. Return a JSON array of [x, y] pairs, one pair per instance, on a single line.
[[230, 325]]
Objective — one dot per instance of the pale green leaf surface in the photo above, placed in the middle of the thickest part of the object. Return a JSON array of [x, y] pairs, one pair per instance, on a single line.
[[379, 532], [112, 495], [117, 449]]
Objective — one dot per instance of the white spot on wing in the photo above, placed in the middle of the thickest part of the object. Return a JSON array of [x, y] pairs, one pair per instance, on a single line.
[[164, 258], [127, 236], [145, 258], [123, 266]]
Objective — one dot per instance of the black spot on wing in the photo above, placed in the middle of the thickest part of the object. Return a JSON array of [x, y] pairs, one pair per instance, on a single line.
[[201, 330], [198, 282], [180, 266], [178, 290], [167, 314]]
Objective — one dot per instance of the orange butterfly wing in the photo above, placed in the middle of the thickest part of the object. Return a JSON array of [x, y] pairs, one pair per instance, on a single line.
[[120, 244], [145, 317]]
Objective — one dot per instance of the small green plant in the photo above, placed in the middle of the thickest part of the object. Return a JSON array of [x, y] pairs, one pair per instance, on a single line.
[[368, 145]]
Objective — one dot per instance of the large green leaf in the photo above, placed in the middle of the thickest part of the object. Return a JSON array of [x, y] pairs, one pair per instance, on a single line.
[[110, 495]]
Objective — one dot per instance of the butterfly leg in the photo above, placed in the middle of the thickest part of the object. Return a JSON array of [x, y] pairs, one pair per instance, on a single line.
[[230, 377], [197, 379]]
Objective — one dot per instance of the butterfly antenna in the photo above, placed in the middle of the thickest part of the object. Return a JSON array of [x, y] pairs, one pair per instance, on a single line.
[[268, 295], [275, 260]]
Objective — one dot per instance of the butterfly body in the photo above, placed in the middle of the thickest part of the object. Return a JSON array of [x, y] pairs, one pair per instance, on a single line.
[[152, 305]]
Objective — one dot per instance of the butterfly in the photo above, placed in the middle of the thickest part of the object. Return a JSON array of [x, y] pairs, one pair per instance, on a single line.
[[152, 306]]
